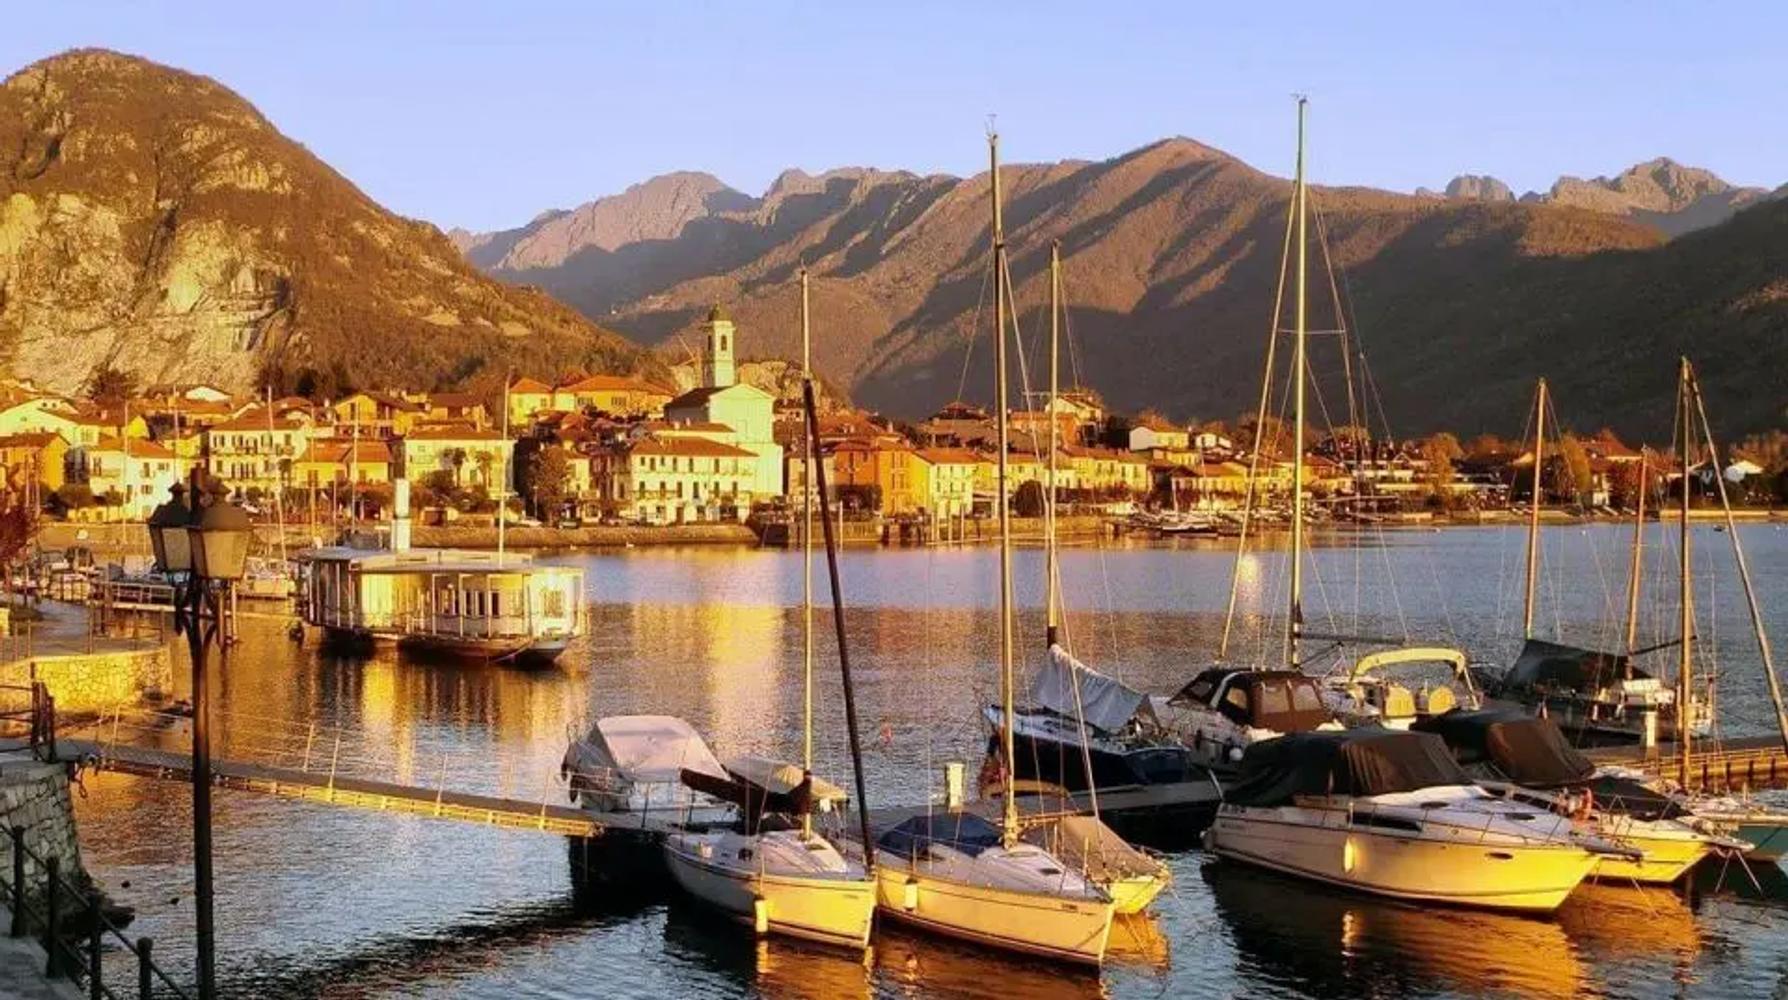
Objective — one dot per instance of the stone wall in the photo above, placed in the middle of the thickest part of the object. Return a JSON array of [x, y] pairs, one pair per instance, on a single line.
[[35, 796], [93, 684]]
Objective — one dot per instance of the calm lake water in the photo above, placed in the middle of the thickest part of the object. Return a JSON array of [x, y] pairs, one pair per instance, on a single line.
[[314, 901]]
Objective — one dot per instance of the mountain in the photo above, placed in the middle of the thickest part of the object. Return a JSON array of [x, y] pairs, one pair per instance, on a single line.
[[1661, 192], [153, 220], [1171, 254]]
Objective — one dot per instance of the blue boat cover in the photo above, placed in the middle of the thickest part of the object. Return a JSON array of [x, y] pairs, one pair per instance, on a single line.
[[961, 831]]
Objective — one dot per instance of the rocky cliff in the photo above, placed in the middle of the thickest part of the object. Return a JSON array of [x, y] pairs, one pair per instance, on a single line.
[[153, 220]]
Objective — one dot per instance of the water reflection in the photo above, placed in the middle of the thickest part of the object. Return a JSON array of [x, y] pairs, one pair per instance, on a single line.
[[1333, 943]]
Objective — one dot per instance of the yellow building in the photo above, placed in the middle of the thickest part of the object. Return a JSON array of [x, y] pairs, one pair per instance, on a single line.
[[35, 458], [340, 461], [528, 398], [138, 473], [455, 407], [1107, 470], [255, 451], [616, 395], [377, 414], [950, 480]]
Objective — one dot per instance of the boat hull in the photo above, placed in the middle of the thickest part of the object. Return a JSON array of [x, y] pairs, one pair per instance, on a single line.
[[1769, 841], [1483, 876], [836, 910], [1133, 895], [1663, 860], [1067, 930]]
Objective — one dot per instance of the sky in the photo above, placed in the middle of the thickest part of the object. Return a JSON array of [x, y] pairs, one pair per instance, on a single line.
[[484, 114]]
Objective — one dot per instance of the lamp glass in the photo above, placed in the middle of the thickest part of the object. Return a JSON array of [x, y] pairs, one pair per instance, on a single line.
[[168, 537], [220, 542]]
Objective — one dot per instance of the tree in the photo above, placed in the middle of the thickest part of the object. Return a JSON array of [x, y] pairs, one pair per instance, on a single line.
[[544, 479], [1440, 452], [1028, 501], [1568, 474], [18, 529], [108, 385]]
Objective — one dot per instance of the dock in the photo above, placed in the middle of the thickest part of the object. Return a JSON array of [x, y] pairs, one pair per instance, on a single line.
[[1749, 763]]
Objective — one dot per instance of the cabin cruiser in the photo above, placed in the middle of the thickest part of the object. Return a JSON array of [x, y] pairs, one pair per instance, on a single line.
[[636, 766], [1595, 696], [775, 873], [1125, 743], [1391, 813], [1527, 760], [1223, 711], [1365, 693]]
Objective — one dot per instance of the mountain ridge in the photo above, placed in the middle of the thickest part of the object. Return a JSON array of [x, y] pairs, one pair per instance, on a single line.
[[154, 220]]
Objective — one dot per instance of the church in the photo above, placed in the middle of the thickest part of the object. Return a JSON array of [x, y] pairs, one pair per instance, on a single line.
[[747, 411]]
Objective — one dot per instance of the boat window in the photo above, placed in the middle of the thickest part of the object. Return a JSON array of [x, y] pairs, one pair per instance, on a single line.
[[1274, 699], [1386, 822], [554, 605], [1237, 697], [1202, 690], [1304, 698], [744, 854]]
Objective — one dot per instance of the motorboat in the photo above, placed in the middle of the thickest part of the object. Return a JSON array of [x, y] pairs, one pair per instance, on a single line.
[[1392, 814], [775, 873], [1125, 745], [1367, 693], [1222, 711], [1527, 760], [957, 874], [1595, 696], [635, 767]]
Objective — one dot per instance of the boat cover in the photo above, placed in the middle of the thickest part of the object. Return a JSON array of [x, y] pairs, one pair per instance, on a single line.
[[960, 831], [1552, 666], [1631, 797], [1284, 701], [1088, 846], [1108, 703], [623, 753], [780, 777], [1526, 750], [1349, 762]]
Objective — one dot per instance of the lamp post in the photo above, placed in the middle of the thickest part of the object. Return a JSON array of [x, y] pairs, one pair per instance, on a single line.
[[201, 543]]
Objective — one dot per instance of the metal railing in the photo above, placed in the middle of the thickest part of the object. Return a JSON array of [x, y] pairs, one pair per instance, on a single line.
[[68, 955]]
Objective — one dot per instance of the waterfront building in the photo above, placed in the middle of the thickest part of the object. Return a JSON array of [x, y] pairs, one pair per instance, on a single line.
[[674, 480], [1106, 470], [455, 407], [36, 458], [136, 473], [616, 395], [950, 477], [255, 452], [340, 461], [473, 457], [746, 409], [1155, 433], [528, 398]]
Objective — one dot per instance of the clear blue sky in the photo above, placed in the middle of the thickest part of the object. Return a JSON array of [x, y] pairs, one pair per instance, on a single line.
[[482, 114]]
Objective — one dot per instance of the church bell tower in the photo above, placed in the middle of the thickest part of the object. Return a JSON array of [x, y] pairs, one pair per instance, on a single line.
[[717, 360]]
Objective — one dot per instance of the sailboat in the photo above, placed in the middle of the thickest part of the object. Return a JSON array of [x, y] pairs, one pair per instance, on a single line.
[[959, 874], [1057, 741], [787, 881], [1593, 695], [1381, 810]]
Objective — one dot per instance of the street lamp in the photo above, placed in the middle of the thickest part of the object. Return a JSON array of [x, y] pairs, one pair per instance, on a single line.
[[203, 548]]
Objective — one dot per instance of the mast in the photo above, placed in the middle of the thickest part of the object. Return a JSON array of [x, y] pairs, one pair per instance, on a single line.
[[1636, 566], [1685, 652], [1533, 514], [1052, 626], [1744, 572], [279, 481], [1009, 816], [808, 446], [1295, 624]]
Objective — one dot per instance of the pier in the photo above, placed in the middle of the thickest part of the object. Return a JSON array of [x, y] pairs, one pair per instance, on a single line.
[[1749, 763]]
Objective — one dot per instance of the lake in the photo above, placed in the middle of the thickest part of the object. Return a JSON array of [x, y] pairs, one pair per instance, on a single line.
[[315, 902]]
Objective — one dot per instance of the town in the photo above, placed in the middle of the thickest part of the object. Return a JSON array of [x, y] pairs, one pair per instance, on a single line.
[[608, 449]]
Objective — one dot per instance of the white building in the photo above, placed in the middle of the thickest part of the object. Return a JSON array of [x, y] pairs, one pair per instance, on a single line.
[[746, 409]]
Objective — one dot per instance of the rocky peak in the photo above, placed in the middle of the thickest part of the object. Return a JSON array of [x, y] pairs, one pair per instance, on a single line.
[[1478, 187]]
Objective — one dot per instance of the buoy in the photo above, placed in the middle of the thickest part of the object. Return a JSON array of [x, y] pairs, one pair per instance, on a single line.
[[909, 898], [760, 915]]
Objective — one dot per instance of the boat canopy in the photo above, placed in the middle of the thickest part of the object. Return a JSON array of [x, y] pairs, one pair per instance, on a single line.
[[653, 748], [959, 831], [1522, 748], [780, 777], [1106, 703], [1349, 762], [1285, 701], [1551, 666]]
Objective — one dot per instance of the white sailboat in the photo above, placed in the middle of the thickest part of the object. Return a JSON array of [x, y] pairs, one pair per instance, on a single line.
[[958, 874], [1380, 810], [792, 882]]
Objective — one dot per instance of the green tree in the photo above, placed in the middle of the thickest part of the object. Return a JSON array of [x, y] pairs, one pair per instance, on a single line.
[[1029, 499], [1569, 477], [1440, 452]]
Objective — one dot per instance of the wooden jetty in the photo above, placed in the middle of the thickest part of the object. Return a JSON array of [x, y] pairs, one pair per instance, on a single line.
[[1752, 763]]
